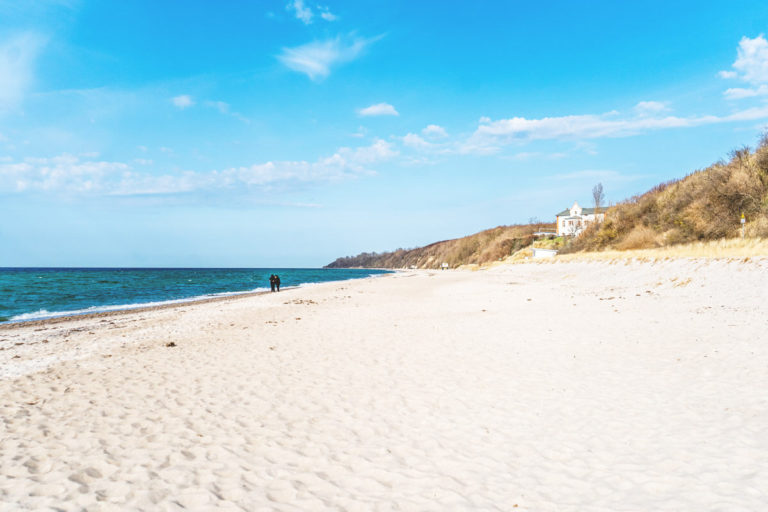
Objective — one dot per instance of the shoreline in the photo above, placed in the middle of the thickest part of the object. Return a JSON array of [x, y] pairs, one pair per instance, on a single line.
[[15, 324], [138, 309], [426, 390]]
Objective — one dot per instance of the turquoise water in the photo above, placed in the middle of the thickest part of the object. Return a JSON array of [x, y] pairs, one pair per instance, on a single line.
[[35, 293]]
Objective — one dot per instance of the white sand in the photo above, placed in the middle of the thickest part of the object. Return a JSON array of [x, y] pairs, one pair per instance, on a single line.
[[557, 387]]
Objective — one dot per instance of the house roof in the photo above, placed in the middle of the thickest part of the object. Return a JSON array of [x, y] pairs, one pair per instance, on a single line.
[[584, 211]]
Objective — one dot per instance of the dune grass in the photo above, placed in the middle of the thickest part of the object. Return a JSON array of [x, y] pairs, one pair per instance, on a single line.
[[733, 248], [707, 205]]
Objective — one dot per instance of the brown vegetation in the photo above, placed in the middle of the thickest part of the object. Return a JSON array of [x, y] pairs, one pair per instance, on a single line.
[[726, 249], [706, 205], [701, 211], [480, 248]]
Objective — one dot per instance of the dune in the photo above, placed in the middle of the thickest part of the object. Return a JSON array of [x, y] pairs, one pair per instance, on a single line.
[[576, 386]]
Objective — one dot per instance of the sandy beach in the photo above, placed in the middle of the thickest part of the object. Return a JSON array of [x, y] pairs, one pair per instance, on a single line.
[[580, 386]]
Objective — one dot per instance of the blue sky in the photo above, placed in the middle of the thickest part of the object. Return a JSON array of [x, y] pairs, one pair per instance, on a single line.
[[276, 133]]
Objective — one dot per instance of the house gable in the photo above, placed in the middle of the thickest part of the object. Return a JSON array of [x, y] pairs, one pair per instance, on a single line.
[[573, 220]]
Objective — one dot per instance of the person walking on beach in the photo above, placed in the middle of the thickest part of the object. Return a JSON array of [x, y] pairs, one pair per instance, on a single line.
[[272, 281], [277, 282]]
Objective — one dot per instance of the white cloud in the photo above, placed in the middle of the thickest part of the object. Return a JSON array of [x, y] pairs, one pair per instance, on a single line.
[[345, 163], [301, 11], [379, 151], [316, 59], [221, 106], [326, 14], [224, 109], [651, 107], [305, 13], [434, 131], [737, 93], [751, 66], [76, 175], [414, 141], [183, 101], [64, 172], [379, 109], [490, 136], [17, 59]]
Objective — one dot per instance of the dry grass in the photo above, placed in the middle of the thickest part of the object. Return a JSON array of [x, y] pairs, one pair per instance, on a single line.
[[641, 237], [705, 205], [485, 247], [734, 248]]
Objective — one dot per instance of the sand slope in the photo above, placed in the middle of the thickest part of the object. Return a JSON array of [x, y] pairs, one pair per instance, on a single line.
[[558, 387]]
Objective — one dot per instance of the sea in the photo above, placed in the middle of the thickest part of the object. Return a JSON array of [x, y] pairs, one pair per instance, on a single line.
[[38, 293]]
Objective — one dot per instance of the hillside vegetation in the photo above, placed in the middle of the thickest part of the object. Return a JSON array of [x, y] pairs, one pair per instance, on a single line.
[[706, 205], [702, 207], [484, 247]]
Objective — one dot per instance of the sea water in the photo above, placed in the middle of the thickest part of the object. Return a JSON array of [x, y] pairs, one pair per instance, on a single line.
[[36, 293]]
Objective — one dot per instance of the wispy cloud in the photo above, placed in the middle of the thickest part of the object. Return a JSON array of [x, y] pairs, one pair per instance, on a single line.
[[326, 14], [434, 131], [318, 58], [415, 141], [224, 109], [751, 66], [183, 101], [306, 15], [63, 172], [301, 11], [646, 108], [738, 93], [379, 109], [69, 174], [17, 60], [433, 139], [490, 135]]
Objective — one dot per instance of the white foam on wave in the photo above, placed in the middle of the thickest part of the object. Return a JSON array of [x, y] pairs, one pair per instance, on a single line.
[[369, 276], [31, 316], [44, 314]]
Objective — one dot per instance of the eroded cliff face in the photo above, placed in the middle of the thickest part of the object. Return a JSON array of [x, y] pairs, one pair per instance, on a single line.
[[483, 247]]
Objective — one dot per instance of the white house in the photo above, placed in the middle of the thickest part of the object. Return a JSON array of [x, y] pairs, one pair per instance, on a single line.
[[575, 219]]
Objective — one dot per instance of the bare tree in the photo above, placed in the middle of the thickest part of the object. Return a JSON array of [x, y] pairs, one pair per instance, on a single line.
[[598, 196]]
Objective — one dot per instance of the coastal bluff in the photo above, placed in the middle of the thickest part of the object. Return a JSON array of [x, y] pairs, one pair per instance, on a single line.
[[479, 248]]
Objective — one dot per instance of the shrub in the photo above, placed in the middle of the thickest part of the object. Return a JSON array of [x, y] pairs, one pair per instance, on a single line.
[[705, 205], [641, 237], [758, 228]]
